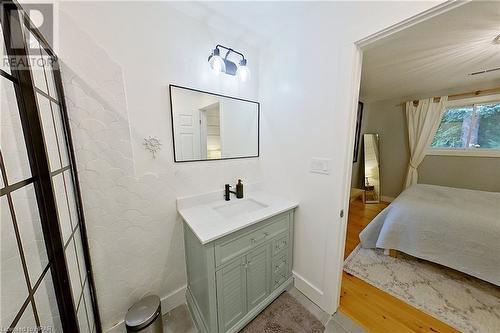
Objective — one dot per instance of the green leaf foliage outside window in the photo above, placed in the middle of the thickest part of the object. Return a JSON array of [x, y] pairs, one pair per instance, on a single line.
[[473, 126]]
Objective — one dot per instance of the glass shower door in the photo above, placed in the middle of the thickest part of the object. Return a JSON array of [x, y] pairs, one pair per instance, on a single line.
[[46, 278], [27, 290]]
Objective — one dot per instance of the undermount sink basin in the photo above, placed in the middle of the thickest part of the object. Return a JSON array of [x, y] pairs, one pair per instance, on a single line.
[[239, 207]]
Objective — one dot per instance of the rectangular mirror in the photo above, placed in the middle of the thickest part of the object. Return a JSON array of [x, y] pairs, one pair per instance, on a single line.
[[209, 126], [372, 172]]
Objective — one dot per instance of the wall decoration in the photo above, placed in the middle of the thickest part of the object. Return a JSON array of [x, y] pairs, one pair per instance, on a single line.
[[152, 144]]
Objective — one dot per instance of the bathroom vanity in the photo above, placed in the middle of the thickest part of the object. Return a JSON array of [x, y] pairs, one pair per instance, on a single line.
[[238, 256]]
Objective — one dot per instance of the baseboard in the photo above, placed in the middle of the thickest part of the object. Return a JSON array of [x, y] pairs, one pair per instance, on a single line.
[[307, 288], [386, 198], [118, 328], [173, 300], [168, 303]]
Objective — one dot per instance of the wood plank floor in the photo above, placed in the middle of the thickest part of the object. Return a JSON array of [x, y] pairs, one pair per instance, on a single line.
[[372, 308]]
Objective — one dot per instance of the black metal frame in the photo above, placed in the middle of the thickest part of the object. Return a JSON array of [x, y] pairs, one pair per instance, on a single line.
[[357, 135], [42, 175], [229, 50], [215, 94]]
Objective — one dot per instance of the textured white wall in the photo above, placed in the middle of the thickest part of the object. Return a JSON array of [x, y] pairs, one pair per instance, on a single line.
[[306, 85], [119, 58]]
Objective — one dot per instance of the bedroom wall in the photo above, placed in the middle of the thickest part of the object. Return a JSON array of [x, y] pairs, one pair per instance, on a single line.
[[388, 119], [477, 173]]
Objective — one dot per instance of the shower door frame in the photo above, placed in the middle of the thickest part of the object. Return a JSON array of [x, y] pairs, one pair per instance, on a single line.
[[41, 173]]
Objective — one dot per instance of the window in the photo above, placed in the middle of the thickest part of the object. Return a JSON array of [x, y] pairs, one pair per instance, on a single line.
[[469, 129]]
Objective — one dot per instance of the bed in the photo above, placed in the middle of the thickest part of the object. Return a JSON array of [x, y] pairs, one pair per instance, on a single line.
[[453, 227]]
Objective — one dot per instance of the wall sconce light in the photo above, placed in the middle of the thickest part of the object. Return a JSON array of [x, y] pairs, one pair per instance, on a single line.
[[224, 65]]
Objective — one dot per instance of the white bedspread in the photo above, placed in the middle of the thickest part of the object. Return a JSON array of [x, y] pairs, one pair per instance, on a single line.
[[453, 227]]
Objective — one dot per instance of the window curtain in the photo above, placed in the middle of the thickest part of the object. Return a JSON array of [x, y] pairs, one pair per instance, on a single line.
[[423, 121]]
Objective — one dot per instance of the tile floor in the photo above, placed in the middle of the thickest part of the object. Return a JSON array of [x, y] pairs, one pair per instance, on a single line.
[[179, 319]]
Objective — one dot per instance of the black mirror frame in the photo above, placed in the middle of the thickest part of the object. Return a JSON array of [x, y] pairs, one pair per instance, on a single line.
[[215, 94]]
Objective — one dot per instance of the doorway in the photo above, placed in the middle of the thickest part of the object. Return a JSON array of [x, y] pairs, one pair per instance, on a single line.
[[360, 298], [210, 131]]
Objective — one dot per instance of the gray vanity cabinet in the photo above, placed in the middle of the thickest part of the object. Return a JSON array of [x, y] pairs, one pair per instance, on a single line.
[[232, 279]]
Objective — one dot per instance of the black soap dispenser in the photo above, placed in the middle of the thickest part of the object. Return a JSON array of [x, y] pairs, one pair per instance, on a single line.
[[239, 189]]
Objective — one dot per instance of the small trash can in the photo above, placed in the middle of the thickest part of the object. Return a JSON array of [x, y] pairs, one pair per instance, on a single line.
[[145, 316]]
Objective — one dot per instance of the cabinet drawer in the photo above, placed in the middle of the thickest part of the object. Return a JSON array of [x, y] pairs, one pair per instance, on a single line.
[[239, 243], [279, 279], [280, 269], [280, 243], [280, 264]]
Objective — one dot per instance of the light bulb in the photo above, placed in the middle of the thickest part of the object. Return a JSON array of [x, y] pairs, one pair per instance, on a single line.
[[243, 72], [216, 62]]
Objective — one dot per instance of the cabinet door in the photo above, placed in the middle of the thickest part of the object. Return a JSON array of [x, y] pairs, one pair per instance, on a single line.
[[258, 275], [231, 293]]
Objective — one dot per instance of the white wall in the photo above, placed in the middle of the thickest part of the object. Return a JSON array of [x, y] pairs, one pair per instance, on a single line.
[[119, 58], [305, 91]]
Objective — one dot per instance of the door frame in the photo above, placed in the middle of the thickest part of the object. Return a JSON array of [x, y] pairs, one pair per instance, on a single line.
[[203, 133], [353, 96]]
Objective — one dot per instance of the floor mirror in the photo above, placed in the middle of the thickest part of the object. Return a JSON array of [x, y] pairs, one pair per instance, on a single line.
[[371, 180]]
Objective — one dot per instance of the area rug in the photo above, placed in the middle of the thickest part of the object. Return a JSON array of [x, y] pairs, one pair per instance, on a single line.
[[459, 300], [284, 315]]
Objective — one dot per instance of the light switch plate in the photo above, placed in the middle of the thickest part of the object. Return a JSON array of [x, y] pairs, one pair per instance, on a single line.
[[321, 165]]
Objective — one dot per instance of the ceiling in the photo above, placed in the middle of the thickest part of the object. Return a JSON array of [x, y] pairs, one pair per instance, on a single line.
[[262, 17], [436, 56], [253, 21]]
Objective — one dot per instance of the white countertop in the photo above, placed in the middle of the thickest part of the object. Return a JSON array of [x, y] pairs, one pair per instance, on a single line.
[[208, 225]]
